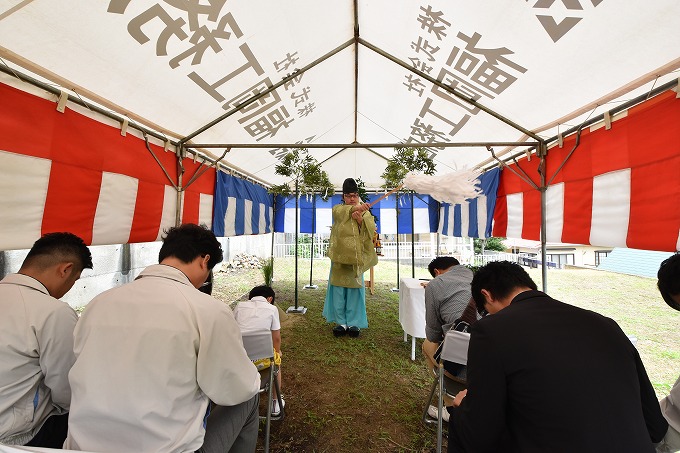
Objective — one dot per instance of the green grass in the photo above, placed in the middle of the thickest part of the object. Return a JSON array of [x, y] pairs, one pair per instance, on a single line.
[[366, 394]]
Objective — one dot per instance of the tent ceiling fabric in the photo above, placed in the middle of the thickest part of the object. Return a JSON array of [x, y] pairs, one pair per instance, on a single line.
[[178, 65]]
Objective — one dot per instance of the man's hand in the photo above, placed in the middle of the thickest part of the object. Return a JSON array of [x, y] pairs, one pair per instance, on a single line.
[[360, 208], [357, 215], [459, 398]]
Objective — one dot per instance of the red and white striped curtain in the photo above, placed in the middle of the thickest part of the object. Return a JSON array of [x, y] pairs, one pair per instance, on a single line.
[[620, 188], [70, 172]]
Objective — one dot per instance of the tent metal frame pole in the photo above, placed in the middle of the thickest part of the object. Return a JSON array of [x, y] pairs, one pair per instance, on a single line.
[[448, 89], [626, 105], [396, 210], [543, 189], [297, 309], [79, 101], [119, 118], [360, 145], [356, 69], [180, 189], [273, 233], [266, 92], [413, 238], [311, 253]]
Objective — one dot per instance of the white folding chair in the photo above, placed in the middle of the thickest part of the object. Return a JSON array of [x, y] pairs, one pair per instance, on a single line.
[[454, 350], [259, 345]]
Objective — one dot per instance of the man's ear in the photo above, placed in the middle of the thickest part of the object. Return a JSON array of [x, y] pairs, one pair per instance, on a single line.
[[65, 269], [487, 296], [205, 260]]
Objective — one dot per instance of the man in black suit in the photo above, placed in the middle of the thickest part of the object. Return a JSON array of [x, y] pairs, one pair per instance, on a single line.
[[544, 376]]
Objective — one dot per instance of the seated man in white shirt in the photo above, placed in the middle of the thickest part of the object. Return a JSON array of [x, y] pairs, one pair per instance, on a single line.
[[160, 366], [257, 314], [36, 342]]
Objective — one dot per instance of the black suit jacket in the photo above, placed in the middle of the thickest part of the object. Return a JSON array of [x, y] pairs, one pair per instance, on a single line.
[[545, 376]]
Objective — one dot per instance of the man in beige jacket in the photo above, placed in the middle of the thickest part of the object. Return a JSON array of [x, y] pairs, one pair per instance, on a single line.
[[36, 342], [160, 366]]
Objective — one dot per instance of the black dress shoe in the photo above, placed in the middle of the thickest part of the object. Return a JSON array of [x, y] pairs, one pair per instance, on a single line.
[[354, 331], [339, 331]]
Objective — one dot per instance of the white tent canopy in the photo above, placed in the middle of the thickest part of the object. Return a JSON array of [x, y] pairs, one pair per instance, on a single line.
[[366, 71]]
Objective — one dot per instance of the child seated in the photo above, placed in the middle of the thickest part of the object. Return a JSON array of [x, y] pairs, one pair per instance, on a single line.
[[257, 314]]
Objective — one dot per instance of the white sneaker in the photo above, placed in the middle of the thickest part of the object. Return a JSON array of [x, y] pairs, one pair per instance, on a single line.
[[276, 411], [433, 412]]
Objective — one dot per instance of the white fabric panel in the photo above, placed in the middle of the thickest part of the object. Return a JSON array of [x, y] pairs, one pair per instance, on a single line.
[[271, 218], [169, 210], [421, 222], [464, 219], [388, 221], [324, 220], [247, 216], [481, 216], [554, 212], [515, 204], [611, 209], [452, 220], [230, 218], [22, 213], [440, 227], [262, 221], [205, 210], [289, 220], [115, 209]]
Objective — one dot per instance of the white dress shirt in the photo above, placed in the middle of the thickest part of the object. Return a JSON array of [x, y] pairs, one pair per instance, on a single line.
[[257, 314]]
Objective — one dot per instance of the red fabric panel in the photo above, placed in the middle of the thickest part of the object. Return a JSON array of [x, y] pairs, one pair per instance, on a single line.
[[148, 211], [203, 184], [191, 204], [578, 206], [71, 200], [26, 123], [500, 214], [531, 224], [655, 206]]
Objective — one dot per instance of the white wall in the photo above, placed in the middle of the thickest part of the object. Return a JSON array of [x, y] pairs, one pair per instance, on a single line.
[[114, 265]]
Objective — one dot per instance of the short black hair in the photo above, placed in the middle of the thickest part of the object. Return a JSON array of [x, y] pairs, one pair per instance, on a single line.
[[441, 263], [669, 280], [55, 248], [264, 291], [188, 242], [499, 278]]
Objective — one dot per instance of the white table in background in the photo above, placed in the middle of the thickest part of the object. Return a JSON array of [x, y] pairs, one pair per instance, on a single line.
[[412, 310]]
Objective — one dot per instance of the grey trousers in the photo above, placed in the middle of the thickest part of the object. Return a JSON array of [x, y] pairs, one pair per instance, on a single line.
[[232, 428]]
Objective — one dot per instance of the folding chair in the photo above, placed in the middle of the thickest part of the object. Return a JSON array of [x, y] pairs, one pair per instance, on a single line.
[[259, 345], [454, 350]]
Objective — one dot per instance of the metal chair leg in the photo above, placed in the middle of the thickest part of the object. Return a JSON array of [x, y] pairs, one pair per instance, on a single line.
[[426, 420]]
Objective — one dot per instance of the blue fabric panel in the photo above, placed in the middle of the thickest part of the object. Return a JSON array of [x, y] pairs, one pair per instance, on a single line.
[[228, 186]]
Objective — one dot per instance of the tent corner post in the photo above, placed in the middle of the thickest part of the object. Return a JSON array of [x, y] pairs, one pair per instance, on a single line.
[[542, 153]]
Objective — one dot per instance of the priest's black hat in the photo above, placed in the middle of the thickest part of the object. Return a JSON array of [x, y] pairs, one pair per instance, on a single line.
[[349, 186]]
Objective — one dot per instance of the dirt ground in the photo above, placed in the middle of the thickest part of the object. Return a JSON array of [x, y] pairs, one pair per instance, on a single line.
[[343, 394]]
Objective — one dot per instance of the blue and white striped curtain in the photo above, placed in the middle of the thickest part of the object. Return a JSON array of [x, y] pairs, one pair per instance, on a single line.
[[474, 218], [241, 207], [315, 215]]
